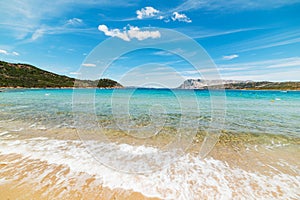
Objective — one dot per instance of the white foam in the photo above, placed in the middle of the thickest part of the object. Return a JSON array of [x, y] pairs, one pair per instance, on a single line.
[[187, 178], [3, 181], [42, 128], [17, 130], [32, 125], [137, 150], [4, 133]]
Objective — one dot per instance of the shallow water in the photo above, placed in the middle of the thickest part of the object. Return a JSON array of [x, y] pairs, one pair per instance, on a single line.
[[59, 150]]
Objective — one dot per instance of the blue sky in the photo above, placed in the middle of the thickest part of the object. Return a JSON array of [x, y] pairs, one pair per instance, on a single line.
[[247, 40]]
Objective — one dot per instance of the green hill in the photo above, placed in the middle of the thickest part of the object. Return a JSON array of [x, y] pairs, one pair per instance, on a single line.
[[108, 83], [28, 76]]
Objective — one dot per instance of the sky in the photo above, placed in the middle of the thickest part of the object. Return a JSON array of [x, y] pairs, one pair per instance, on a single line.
[[247, 40]]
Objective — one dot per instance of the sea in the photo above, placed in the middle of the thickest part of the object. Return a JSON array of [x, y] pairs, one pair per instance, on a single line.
[[147, 143]]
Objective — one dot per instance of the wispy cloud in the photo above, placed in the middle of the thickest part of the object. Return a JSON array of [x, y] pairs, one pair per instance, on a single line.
[[15, 53], [180, 17], [198, 33], [263, 70], [75, 73], [197, 72], [129, 32], [147, 12], [285, 63], [7, 53], [74, 22], [291, 75], [282, 69], [230, 57], [269, 40], [27, 17], [233, 5], [2, 51], [162, 53], [273, 63], [189, 5], [37, 34], [54, 30], [89, 65]]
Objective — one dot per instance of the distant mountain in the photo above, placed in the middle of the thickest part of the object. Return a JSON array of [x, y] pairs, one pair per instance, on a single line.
[[203, 84], [235, 84], [28, 76]]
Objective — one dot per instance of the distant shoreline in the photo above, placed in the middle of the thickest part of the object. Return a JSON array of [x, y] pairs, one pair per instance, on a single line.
[[62, 88]]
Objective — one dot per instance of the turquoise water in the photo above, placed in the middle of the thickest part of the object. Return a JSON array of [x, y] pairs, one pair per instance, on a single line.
[[260, 112]]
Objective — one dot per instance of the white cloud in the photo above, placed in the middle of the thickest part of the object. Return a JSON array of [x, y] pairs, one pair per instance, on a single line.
[[135, 32], [150, 12], [180, 17], [114, 32], [128, 34], [14, 53], [2, 51], [88, 65], [74, 22], [230, 57], [147, 12]]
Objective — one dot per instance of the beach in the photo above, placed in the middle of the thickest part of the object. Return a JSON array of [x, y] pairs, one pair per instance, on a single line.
[[50, 149]]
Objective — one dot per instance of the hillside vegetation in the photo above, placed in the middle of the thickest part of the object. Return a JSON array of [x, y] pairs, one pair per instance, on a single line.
[[28, 76]]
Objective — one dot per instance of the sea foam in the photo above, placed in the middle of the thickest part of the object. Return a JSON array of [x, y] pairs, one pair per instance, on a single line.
[[188, 177]]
